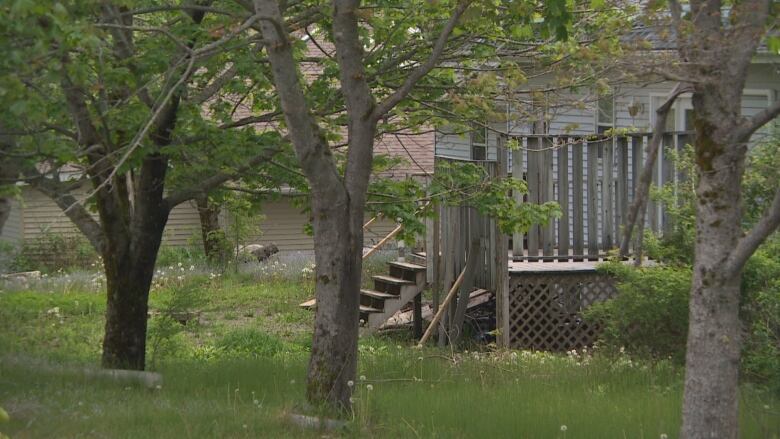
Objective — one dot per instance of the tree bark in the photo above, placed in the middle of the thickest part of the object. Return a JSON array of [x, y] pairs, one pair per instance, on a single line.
[[210, 231], [710, 407]]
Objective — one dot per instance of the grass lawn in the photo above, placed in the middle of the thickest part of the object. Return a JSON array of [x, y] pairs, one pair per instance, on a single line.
[[239, 368]]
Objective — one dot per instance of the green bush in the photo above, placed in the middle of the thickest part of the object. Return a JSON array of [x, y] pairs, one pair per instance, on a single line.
[[51, 252], [649, 317]]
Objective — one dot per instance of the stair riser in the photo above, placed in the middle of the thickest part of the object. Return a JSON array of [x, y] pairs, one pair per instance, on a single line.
[[386, 287], [410, 275], [373, 302]]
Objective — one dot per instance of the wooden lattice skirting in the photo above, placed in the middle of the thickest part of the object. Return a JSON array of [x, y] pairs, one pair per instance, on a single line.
[[545, 309]]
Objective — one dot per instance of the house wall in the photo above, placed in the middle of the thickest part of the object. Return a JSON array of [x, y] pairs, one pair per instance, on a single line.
[[12, 230], [282, 223], [567, 119]]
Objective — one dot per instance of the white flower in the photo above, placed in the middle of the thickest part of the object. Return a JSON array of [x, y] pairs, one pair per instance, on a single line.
[[351, 400], [192, 267], [664, 436], [369, 387], [564, 428], [179, 264], [362, 377], [350, 383]]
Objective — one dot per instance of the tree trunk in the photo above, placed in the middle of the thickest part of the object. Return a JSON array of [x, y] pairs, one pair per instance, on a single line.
[[338, 245], [129, 266], [712, 359], [211, 233]]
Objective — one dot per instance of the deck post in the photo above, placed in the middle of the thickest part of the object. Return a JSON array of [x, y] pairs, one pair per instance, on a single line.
[[501, 258]]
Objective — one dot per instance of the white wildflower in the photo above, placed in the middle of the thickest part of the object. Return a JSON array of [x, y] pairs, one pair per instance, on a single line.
[[564, 428], [350, 383]]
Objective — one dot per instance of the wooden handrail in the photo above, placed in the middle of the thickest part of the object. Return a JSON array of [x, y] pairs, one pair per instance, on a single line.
[[384, 240]]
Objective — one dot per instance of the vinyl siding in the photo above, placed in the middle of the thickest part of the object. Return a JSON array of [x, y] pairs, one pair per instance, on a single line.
[[12, 230], [761, 79]]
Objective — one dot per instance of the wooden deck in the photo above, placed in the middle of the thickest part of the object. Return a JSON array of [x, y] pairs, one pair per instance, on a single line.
[[552, 266]]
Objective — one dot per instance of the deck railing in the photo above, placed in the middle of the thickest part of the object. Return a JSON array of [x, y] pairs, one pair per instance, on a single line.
[[593, 179]]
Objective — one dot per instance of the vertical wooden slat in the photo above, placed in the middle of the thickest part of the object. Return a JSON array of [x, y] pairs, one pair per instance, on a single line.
[[592, 208], [563, 201], [607, 195], [668, 177], [501, 260], [517, 173], [622, 188], [577, 197], [637, 160], [652, 210], [547, 189], [533, 193]]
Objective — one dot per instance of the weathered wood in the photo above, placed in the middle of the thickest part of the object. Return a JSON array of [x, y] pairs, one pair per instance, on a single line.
[[501, 256], [637, 160], [667, 176], [517, 173], [417, 310], [592, 208], [546, 181], [533, 191], [384, 240], [563, 200], [578, 195], [471, 265], [621, 186], [607, 194]]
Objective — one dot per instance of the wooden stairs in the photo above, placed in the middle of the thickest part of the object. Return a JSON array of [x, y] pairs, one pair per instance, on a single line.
[[403, 284]]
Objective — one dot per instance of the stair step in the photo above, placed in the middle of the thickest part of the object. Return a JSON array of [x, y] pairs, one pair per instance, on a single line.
[[364, 309], [378, 294], [407, 265], [392, 280]]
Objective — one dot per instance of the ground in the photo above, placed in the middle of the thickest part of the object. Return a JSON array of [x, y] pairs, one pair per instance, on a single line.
[[237, 369]]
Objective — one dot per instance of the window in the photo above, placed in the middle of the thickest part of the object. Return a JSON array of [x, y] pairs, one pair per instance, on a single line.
[[479, 136], [605, 117]]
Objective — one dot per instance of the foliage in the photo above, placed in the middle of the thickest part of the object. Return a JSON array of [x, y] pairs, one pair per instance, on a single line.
[[761, 311], [762, 177], [50, 252], [176, 311], [649, 317]]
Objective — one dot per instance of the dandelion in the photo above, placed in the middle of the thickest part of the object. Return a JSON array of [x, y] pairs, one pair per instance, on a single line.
[[351, 400], [369, 387], [564, 428], [245, 426], [664, 436], [292, 381], [350, 383], [362, 377]]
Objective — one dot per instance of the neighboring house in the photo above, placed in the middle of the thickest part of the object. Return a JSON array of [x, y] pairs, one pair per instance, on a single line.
[[282, 223]]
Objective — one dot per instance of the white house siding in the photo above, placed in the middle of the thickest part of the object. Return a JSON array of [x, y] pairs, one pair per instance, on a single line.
[[12, 230], [762, 87]]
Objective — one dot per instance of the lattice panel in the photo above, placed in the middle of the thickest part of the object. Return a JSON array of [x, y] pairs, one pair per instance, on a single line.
[[545, 309]]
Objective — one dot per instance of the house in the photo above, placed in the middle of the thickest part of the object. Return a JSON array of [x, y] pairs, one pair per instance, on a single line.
[[598, 183], [33, 214]]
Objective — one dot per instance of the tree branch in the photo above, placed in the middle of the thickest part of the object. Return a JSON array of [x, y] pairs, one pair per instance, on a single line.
[[750, 242], [750, 126], [637, 211], [74, 210], [217, 179], [438, 48]]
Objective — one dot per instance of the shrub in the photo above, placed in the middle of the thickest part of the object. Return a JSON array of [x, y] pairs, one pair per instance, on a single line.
[[649, 317], [51, 252]]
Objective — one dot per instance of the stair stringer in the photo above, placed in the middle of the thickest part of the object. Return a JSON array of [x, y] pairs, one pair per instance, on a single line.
[[408, 292]]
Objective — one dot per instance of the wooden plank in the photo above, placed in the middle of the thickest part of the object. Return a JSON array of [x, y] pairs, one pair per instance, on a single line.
[[563, 200], [637, 162], [621, 187], [546, 180], [668, 177], [501, 262], [607, 195], [652, 211], [577, 196], [591, 216], [517, 173], [533, 192]]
